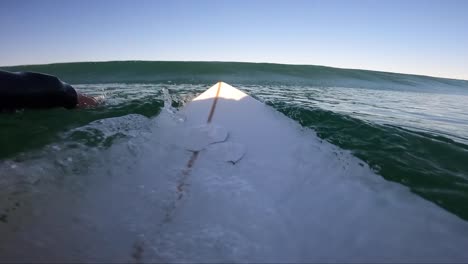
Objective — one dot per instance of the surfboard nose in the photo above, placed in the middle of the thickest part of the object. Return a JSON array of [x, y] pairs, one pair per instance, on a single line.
[[221, 90]]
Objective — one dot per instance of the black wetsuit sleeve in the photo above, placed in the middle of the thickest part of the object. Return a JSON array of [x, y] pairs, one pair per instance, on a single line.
[[34, 90]]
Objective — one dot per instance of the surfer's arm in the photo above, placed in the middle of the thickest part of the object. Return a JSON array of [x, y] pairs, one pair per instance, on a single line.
[[36, 90]]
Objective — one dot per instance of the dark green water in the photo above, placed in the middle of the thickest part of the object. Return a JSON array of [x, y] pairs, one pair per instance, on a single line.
[[410, 129]]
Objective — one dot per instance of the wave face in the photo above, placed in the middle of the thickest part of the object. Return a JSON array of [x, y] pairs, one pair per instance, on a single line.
[[409, 129], [239, 73]]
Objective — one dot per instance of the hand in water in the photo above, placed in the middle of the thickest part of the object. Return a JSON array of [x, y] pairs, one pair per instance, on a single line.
[[86, 101]]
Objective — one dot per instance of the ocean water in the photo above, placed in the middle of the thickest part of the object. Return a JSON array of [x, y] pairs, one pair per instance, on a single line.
[[411, 130]]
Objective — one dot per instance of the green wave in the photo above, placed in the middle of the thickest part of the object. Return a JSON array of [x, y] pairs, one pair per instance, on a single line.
[[238, 73]]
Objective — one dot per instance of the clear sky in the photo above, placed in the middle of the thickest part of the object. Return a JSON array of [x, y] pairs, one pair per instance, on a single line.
[[410, 36]]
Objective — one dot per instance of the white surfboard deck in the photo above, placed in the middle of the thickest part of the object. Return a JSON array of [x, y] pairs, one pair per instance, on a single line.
[[291, 197], [230, 179]]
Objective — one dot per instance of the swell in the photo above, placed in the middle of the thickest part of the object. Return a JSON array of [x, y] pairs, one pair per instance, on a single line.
[[434, 167], [238, 73]]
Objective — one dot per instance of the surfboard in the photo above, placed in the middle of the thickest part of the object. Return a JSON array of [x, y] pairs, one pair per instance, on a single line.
[[259, 187]]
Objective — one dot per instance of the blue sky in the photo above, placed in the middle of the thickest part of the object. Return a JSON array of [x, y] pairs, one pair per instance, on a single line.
[[410, 36]]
